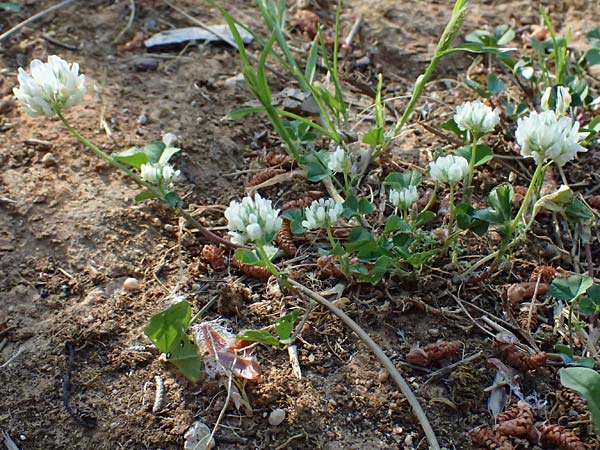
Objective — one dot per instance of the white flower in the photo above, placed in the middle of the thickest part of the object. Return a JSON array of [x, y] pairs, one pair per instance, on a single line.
[[252, 220], [337, 160], [543, 137], [322, 213], [476, 118], [404, 198], [449, 169], [51, 87], [563, 100], [162, 175]]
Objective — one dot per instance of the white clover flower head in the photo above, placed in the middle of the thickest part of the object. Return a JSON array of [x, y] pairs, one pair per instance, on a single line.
[[404, 198], [162, 175], [252, 220], [337, 160], [563, 100], [449, 169], [322, 212], [544, 136], [476, 118], [52, 86]]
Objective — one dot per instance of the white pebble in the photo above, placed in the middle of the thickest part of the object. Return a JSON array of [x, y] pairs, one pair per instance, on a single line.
[[276, 417], [48, 160], [131, 284]]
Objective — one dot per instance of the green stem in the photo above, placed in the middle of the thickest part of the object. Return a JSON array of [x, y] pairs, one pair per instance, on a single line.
[[341, 258], [451, 30], [509, 241], [203, 310], [534, 179], [209, 235], [265, 257], [467, 187], [139, 180], [450, 220]]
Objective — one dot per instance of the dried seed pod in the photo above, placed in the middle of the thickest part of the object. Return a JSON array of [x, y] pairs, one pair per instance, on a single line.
[[213, 255], [516, 356], [264, 175], [306, 21], [433, 352], [522, 360], [285, 238], [260, 273], [558, 436], [525, 321], [276, 159], [519, 292], [302, 202], [328, 267], [573, 399], [490, 439], [519, 195], [509, 414], [519, 426], [418, 356], [442, 350], [544, 273], [594, 201]]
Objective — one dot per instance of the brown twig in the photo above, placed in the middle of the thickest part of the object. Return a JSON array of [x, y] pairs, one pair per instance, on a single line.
[[33, 18], [381, 356]]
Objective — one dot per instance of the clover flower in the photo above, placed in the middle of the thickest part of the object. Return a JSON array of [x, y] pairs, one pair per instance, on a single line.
[[449, 169], [253, 220], [544, 136], [404, 198], [159, 174], [563, 100], [337, 160], [322, 213], [476, 118], [51, 87]]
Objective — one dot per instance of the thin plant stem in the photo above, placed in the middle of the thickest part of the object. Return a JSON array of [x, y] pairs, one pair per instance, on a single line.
[[209, 235], [467, 187], [203, 310], [340, 258], [381, 356], [265, 257], [450, 220], [458, 16]]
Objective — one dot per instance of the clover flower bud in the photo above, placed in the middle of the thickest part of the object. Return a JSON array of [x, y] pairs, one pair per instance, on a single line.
[[252, 220], [563, 100], [544, 136], [476, 118], [337, 160], [449, 169], [162, 175], [404, 198], [52, 86], [322, 212]]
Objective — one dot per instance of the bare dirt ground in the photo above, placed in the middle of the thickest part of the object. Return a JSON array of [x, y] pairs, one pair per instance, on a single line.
[[70, 234]]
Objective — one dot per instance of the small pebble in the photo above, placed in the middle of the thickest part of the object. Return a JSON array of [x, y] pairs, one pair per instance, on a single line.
[[48, 160], [131, 284], [276, 417], [143, 119], [434, 332]]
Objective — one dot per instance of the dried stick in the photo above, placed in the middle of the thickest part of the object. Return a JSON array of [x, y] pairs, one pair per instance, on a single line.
[[18, 26], [128, 24], [381, 356]]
